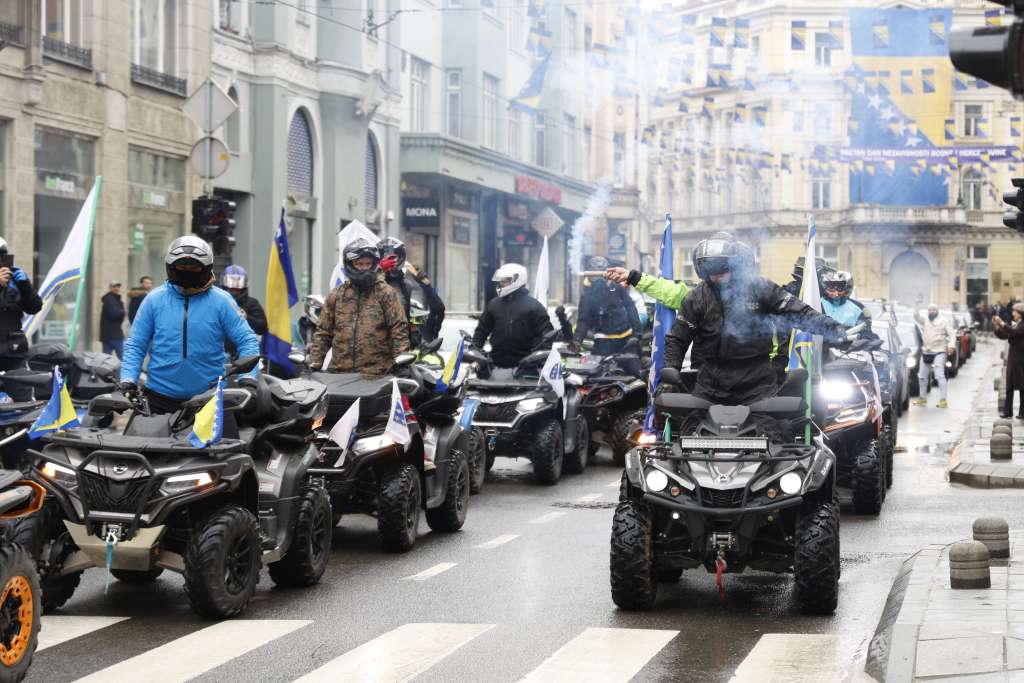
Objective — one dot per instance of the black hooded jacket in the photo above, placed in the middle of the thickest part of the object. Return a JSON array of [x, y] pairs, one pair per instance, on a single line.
[[254, 315], [429, 330], [516, 324], [16, 299], [605, 308]]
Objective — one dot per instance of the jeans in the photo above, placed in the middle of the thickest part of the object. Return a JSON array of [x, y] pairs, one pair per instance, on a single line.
[[1008, 403], [924, 381], [112, 347]]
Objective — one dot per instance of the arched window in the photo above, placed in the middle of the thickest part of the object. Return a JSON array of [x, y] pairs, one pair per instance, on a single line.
[[300, 155], [232, 127], [372, 175], [973, 182]]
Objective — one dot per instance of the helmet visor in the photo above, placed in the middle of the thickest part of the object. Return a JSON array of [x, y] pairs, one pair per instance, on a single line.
[[233, 281], [715, 265]]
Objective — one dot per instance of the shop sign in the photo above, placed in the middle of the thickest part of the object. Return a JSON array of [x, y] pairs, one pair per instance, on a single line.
[[523, 237], [616, 243], [463, 201], [548, 222], [139, 237], [462, 230], [538, 189], [154, 198], [55, 184], [420, 212], [519, 211]]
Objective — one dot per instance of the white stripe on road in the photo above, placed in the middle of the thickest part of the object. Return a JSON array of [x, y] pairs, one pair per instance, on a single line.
[[198, 652], [398, 655], [495, 542], [544, 519], [433, 571], [602, 655], [59, 629], [794, 658], [589, 498], [615, 484]]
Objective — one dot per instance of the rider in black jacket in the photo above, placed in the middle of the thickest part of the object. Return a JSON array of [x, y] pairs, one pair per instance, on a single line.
[[17, 297], [393, 263], [730, 318], [236, 282], [606, 311], [515, 322]]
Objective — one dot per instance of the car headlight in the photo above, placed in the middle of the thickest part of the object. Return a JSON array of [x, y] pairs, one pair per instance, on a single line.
[[790, 483], [911, 362], [836, 391], [528, 404], [656, 480], [59, 474], [179, 483], [372, 443]]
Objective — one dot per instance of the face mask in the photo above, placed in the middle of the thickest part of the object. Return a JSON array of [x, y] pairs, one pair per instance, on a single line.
[[932, 316], [190, 279]]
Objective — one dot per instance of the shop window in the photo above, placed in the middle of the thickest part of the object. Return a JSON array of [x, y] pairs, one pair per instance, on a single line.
[[233, 126], [300, 155], [372, 175], [156, 35]]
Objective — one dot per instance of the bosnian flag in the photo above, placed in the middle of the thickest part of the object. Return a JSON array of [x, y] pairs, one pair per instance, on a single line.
[[664, 318], [811, 296], [397, 427]]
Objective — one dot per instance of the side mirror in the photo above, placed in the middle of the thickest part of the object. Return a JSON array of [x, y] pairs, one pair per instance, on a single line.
[[104, 404], [242, 365], [404, 359]]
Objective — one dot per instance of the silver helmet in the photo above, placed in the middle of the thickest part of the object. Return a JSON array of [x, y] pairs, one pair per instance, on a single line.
[[189, 262]]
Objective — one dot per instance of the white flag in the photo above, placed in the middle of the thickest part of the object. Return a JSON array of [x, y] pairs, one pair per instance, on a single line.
[[345, 429], [353, 231], [397, 428], [540, 286], [68, 266], [552, 372]]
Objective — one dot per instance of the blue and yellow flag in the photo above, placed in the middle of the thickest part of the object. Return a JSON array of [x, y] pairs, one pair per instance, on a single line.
[[529, 96], [716, 38], [664, 318], [798, 37], [451, 369], [209, 423], [58, 413], [282, 294]]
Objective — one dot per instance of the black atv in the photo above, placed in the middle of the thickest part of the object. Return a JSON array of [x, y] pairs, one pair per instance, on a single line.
[[88, 373], [523, 417], [377, 476], [16, 417], [145, 499], [735, 488]]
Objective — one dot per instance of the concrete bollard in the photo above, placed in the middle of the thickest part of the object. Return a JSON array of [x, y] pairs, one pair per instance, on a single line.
[[1000, 446], [968, 565], [997, 383], [994, 532], [1003, 426]]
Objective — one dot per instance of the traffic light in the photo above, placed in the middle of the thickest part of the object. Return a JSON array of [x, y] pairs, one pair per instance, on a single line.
[[1015, 198], [993, 53], [213, 219]]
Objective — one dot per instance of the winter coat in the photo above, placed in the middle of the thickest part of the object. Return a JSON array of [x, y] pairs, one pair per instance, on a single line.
[[185, 336], [429, 330], [254, 315], [111, 317], [135, 297], [849, 313], [938, 336], [667, 292], [1013, 332], [364, 328], [516, 324], [16, 299], [607, 311]]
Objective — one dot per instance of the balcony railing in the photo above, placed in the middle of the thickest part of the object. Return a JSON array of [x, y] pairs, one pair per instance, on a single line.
[[66, 52], [858, 214], [10, 33], [159, 80]]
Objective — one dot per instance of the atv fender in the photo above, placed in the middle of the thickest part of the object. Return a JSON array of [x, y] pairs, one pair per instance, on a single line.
[[633, 467], [571, 401], [822, 472], [282, 476], [434, 490]]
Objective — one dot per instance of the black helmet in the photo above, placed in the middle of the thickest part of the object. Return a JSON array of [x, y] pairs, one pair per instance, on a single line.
[[189, 262], [721, 253], [393, 245], [839, 281], [356, 250], [820, 264]]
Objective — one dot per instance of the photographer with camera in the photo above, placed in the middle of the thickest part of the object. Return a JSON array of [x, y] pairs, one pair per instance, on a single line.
[[17, 297]]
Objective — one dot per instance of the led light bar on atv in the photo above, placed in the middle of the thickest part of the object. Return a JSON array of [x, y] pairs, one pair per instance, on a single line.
[[742, 444]]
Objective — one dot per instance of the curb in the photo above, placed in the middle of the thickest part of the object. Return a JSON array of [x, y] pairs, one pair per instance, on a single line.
[[880, 662]]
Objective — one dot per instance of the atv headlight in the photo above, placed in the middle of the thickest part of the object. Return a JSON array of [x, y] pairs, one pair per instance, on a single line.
[[529, 404], [179, 483], [851, 415], [911, 362], [836, 391], [656, 480], [65, 476], [790, 483], [372, 443]]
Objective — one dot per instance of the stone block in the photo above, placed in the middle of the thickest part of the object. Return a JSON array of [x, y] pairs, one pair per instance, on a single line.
[[994, 532], [969, 565], [959, 656], [1000, 446]]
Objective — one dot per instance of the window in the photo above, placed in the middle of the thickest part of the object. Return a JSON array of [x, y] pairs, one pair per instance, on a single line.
[[490, 112], [755, 46], [821, 193], [454, 3], [569, 145], [829, 252], [972, 190], [371, 175], [155, 170], [823, 120], [454, 103], [517, 25], [231, 16], [419, 94], [515, 133], [972, 120], [619, 144], [303, 12], [569, 29], [62, 20], [156, 35], [539, 138], [822, 49], [232, 127], [977, 252], [300, 155], [588, 151]]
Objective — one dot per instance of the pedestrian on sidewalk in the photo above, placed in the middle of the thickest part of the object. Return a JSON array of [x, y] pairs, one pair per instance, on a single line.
[[1013, 332], [111, 320], [938, 337], [136, 295]]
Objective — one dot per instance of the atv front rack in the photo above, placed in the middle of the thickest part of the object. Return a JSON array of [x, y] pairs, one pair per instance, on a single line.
[[775, 453]]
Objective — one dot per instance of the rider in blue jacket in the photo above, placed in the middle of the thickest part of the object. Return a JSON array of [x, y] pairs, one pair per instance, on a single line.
[[837, 285], [183, 325]]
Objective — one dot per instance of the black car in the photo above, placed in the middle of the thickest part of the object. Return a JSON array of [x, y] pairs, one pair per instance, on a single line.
[[896, 380], [910, 336]]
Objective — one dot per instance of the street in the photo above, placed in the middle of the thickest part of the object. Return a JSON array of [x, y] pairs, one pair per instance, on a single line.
[[522, 593]]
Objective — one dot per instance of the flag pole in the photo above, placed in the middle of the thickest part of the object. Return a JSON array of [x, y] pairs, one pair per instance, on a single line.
[[812, 266], [85, 265]]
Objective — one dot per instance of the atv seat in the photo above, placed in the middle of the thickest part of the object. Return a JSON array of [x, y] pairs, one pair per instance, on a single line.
[[681, 403], [374, 394], [779, 406]]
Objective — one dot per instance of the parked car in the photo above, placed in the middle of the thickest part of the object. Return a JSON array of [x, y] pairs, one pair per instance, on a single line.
[[910, 337], [898, 381]]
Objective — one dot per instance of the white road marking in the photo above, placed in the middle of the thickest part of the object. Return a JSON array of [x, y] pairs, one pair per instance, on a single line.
[[398, 655], [59, 629], [602, 655], [793, 658], [198, 652], [544, 519], [614, 485], [495, 542], [433, 571], [589, 498]]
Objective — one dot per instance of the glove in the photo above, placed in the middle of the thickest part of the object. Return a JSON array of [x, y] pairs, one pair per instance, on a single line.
[[634, 278], [388, 262], [130, 390], [837, 337], [20, 275]]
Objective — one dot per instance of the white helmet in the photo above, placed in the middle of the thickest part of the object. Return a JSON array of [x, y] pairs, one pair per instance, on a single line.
[[513, 272]]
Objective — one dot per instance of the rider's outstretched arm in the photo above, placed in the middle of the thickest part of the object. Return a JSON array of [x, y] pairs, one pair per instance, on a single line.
[[665, 291]]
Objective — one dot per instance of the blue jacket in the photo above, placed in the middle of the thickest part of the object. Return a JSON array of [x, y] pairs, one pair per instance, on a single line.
[[848, 313], [184, 337]]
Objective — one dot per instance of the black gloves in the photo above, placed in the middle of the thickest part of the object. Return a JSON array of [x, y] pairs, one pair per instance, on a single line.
[[130, 390], [634, 278]]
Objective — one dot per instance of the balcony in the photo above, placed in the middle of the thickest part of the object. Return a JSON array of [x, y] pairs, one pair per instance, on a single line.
[[66, 52], [159, 80], [855, 215], [11, 33]]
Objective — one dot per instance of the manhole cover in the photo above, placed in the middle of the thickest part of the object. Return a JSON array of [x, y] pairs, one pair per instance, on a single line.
[[593, 505]]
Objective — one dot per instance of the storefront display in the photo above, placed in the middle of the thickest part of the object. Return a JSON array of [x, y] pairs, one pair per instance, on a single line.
[[156, 211]]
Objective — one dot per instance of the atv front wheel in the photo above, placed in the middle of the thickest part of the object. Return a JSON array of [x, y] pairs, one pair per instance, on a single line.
[[398, 509], [476, 453], [451, 514], [222, 562], [622, 429], [868, 479], [546, 449], [307, 556], [134, 576], [632, 556], [815, 563], [19, 611], [49, 544], [575, 461]]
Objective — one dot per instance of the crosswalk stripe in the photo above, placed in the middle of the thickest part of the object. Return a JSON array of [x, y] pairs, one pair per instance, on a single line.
[[590, 497], [544, 519], [793, 658], [499, 540], [602, 655], [398, 655], [198, 652], [431, 572], [55, 630]]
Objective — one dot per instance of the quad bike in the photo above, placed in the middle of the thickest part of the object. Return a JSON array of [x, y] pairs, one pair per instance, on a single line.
[[146, 499], [20, 597], [16, 417], [88, 373], [738, 488]]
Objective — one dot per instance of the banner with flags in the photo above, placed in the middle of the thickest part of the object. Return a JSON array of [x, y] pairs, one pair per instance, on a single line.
[[664, 317], [281, 295], [451, 368], [208, 427], [70, 262], [344, 431], [397, 427], [58, 413]]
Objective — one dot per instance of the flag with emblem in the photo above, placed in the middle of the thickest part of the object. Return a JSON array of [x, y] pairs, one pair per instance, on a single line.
[[451, 368], [992, 17], [397, 427], [552, 373], [688, 23], [937, 28], [208, 425], [58, 413], [742, 37], [664, 317], [281, 295]]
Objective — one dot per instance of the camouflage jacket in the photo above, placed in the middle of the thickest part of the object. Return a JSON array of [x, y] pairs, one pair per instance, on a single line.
[[365, 329]]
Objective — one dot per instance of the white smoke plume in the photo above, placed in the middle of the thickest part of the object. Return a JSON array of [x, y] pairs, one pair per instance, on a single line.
[[582, 229]]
